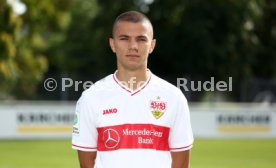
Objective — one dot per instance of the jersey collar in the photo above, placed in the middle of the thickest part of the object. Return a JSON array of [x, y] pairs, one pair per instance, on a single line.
[[132, 92]]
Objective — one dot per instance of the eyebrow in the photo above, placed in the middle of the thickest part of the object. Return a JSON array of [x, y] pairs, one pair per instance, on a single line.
[[139, 37], [142, 36], [123, 36]]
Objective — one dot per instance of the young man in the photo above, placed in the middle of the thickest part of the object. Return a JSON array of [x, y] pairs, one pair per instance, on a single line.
[[132, 118]]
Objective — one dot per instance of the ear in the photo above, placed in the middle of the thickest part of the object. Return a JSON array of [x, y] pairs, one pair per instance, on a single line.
[[153, 42], [111, 44]]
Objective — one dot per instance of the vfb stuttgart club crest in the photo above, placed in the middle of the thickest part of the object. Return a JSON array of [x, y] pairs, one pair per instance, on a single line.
[[158, 108]]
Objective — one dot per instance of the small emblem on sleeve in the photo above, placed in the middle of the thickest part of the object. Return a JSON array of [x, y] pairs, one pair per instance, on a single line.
[[76, 124], [158, 108]]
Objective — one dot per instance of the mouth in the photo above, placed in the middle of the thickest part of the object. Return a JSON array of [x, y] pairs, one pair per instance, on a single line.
[[132, 56]]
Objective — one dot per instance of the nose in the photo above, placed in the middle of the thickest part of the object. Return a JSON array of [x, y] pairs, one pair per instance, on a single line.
[[133, 45]]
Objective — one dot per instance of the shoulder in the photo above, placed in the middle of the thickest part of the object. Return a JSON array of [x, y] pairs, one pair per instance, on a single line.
[[98, 87], [165, 86], [172, 92]]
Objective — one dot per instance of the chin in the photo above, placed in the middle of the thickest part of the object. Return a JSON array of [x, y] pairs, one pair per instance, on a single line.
[[133, 67]]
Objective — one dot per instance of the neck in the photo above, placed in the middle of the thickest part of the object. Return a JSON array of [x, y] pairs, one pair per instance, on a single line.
[[132, 79]]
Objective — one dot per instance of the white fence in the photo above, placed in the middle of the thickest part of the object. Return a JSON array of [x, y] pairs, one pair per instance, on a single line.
[[53, 120], [224, 120], [24, 120]]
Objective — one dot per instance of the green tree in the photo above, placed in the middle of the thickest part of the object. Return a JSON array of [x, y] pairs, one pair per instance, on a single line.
[[265, 36], [24, 41], [204, 38], [86, 47], [9, 37], [74, 51], [195, 38], [216, 38]]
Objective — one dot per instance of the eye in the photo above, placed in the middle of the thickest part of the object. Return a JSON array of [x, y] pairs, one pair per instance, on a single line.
[[123, 38], [142, 39]]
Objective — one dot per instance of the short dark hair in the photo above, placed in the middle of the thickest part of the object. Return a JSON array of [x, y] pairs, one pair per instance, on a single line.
[[131, 16]]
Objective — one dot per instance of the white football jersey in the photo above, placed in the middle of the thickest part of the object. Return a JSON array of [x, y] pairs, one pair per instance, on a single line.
[[132, 129]]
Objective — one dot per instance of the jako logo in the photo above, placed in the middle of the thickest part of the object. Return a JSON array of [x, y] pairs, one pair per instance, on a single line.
[[110, 111]]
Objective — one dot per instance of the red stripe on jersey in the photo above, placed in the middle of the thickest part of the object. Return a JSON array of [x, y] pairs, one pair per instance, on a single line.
[[181, 147], [120, 84], [142, 87], [83, 147], [133, 136], [128, 90]]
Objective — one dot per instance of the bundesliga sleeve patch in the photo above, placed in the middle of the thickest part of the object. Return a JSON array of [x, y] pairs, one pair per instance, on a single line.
[[76, 124]]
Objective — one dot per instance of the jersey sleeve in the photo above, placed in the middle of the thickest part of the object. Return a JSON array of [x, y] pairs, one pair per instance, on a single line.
[[181, 136], [84, 135]]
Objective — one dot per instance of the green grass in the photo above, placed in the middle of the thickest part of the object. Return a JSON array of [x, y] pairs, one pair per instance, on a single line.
[[205, 154], [37, 154], [234, 154]]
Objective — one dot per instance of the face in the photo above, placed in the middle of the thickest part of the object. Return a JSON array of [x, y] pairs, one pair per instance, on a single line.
[[132, 43]]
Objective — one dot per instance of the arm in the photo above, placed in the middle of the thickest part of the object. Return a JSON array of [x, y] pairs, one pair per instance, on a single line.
[[180, 159], [87, 159]]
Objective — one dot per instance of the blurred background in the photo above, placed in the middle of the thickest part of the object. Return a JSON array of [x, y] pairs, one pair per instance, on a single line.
[[196, 40]]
